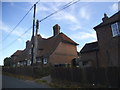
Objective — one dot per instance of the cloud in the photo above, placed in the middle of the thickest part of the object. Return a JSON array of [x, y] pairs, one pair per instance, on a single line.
[[19, 40], [61, 15], [42, 7], [79, 48], [44, 36], [75, 27], [114, 7], [4, 27], [84, 36], [84, 13], [66, 16], [18, 32]]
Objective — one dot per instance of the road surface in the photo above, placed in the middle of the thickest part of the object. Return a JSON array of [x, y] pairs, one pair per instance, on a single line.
[[11, 82]]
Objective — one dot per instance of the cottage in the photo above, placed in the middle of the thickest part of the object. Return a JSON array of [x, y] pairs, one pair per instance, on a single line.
[[108, 35], [89, 55], [56, 50], [15, 57], [104, 52]]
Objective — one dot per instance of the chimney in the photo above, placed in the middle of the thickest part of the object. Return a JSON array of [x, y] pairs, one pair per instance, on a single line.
[[27, 43], [105, 17], [56, 30]]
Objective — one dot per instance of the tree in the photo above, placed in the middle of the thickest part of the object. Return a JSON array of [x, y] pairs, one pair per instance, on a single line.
[[7, 61]]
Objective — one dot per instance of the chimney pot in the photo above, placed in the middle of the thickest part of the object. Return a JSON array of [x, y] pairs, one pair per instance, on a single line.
[[27, 43], [105, 17]]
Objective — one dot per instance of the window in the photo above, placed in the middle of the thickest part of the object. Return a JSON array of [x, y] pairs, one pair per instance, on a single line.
[[21, 63], [24, 62], [18, 63], [30, 51], [14, 65], [115, 29], [38, 60], [45, 61], [28, 62]]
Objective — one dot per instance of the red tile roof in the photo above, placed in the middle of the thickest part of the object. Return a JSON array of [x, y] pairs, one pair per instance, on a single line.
[[89, 47], [47, 46]]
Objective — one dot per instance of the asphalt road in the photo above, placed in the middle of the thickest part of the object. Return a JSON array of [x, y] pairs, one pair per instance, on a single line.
[[11, 82]]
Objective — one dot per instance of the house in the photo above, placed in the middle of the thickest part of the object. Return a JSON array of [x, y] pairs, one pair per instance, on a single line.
[[15, 57], [89, 55], [104, 52], [108, 35], [58, 49]]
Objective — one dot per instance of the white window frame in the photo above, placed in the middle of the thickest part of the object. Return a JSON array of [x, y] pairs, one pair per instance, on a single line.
[[115, 29], [45, 61]]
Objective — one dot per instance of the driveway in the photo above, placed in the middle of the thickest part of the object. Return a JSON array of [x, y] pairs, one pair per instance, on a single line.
[[11, 82]]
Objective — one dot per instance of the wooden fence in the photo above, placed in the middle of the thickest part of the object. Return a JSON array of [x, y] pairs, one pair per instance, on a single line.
[[98, 76], [35, 72]]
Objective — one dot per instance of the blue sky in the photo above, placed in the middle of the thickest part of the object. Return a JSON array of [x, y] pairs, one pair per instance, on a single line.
[[76, 22]]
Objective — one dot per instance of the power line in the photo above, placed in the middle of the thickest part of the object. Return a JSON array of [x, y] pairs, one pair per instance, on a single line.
[[18, 37], [69, 3], [37, 2], [18, 24], [20, 21], [65, 6]]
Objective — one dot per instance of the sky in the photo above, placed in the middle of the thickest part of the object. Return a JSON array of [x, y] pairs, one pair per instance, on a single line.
[[76, 21]]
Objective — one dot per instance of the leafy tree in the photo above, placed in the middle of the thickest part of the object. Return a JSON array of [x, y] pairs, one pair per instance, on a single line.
[[7, 61]]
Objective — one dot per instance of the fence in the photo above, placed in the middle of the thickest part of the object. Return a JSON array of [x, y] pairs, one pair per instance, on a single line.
[[35, 72], [98, 76]]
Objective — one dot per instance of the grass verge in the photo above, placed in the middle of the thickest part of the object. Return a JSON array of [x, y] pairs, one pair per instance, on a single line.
[[18, 76]]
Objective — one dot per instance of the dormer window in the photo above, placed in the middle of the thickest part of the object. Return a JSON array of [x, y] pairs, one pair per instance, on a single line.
[[115, 29]]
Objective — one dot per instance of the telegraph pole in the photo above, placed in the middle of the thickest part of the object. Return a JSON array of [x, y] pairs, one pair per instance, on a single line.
[[32, 57]]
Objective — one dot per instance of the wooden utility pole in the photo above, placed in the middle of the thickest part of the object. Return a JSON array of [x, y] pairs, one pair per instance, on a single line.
[[32, 58], [36, 42]]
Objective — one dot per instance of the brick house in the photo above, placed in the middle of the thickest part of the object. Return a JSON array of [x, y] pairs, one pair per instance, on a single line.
[[89, 55], [108, 39], [15, 57], [55, 50]]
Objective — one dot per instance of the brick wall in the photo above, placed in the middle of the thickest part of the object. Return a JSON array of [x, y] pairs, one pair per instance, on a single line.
[[108, 47], [64, 53], [90, 56]]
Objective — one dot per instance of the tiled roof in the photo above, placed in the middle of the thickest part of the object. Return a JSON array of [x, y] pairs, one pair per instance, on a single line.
[[67, 39], [110, 20], [18, 52], [47, 46], [90, 47]]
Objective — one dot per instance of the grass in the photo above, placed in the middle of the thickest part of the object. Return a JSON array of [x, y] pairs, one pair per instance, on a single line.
[[56, 83], [60, 84], [18, 76]]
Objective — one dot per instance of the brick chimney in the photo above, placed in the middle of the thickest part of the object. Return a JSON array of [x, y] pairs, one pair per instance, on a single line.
[[105, 17], [27, 43], [56, 30]]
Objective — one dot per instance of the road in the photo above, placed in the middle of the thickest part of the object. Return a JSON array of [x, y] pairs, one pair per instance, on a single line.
[[11, 82]]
